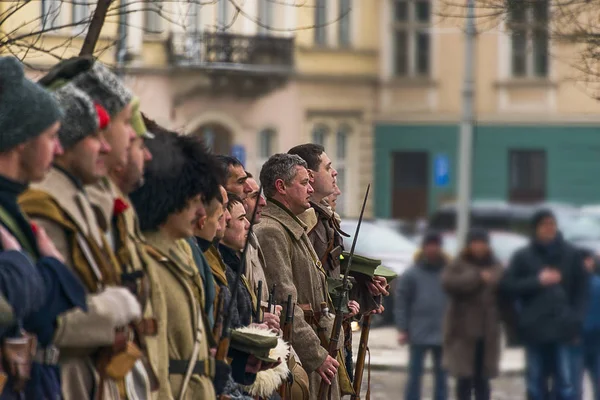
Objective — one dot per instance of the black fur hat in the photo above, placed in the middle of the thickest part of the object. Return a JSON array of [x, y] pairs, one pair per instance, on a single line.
[[180, 169]]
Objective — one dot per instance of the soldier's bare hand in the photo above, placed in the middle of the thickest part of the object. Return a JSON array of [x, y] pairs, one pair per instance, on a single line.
[[354, 308], [272, 321], [378, 286], [549, 276], [8, 241], [45, 244], [328, 369]]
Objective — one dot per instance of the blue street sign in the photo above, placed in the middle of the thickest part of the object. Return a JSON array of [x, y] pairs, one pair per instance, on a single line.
[[441, 170], [238, 151]]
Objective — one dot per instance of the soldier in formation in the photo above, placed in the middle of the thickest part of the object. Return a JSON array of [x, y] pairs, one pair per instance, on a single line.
[[136, 264]]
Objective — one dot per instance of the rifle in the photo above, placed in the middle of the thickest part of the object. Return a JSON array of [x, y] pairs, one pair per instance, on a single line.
[[271, 297], [223, 347], [324, 389], [360, 358], [218, 328], [259, 314], [285, 390]]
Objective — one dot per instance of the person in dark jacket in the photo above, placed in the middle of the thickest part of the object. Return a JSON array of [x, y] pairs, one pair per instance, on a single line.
[[33, 278], [231, 247], [472, 326], [420, 308], [587, 351], [548, 283]]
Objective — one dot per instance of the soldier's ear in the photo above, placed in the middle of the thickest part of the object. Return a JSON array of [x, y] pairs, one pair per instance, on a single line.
[[280, 186]]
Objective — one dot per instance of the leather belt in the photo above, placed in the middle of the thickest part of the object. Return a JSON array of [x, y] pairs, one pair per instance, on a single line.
[[47, 355], [202, 367]]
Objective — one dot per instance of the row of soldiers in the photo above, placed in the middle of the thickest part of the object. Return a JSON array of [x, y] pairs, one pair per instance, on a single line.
[[135, 264]]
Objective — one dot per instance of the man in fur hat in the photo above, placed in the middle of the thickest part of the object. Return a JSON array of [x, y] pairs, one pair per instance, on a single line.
[[60, 205], [41, 290], [169, 204], [293, 265]]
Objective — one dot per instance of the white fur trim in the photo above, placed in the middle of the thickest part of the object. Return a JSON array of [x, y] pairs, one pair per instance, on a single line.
[[267, 382]]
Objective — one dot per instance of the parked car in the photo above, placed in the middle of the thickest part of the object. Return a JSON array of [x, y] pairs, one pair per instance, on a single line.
[[382, 243], [504, 244], [501, 215]]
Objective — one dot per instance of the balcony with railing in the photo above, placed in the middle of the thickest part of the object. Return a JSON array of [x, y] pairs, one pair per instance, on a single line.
[[232, 53]]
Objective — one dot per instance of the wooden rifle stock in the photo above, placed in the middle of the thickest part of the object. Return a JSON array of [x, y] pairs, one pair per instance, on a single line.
[[285, 390], [218, 328], [362, 353]]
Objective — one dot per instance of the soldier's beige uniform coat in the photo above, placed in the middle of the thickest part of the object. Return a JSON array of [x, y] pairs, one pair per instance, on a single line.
[[291, 263], [178, 315], [132, 254], [78, 334]]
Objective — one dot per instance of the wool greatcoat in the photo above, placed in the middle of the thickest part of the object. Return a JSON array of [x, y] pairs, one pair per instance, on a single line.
[[128, 243], [472, 315], [180, 315], [78, 334], [292, 264]]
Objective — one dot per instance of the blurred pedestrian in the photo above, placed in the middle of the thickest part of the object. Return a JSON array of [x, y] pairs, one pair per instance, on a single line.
[[548, 282], [587, 352], [472, 325], [420, 308]]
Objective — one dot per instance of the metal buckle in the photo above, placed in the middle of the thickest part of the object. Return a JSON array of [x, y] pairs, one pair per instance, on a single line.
[[50, 355]]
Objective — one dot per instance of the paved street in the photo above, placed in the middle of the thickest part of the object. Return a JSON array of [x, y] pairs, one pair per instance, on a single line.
[[388, 371]]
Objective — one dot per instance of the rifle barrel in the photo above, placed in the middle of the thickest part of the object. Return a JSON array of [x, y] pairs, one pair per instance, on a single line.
[[324, 388], [258, 302]]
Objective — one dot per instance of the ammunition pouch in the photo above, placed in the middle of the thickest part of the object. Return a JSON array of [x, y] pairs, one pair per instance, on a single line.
[[313, 318], [115, 362], [17, 356]]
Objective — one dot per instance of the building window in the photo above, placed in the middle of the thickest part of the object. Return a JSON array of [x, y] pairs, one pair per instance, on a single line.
[[266, 145], [265, 16], [81, 11], [341, 165], [193, 17], [412, 19], [527, 176], [344, 23], [319, 135], [222, 14], [152, 17], [320, 22], [51, 14], [528, 23]]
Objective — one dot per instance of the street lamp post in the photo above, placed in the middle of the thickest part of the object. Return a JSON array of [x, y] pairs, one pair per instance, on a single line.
[[465, 144]]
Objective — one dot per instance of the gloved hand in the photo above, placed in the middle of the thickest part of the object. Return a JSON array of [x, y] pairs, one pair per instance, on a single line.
[[121, 304], [222, 373]]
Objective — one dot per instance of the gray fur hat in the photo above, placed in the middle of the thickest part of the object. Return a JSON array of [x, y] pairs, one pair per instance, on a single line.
[[26, 108], [80, 117], [104, 87]]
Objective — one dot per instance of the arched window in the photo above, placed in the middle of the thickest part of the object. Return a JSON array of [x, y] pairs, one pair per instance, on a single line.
[[266, 145], [319, 134], [341, 164]]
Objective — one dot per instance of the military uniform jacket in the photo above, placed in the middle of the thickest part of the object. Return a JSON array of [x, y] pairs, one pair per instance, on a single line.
[[128, 243], [255, 261], [179, 314], [78, 334], [326, 239], [292, 264]]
